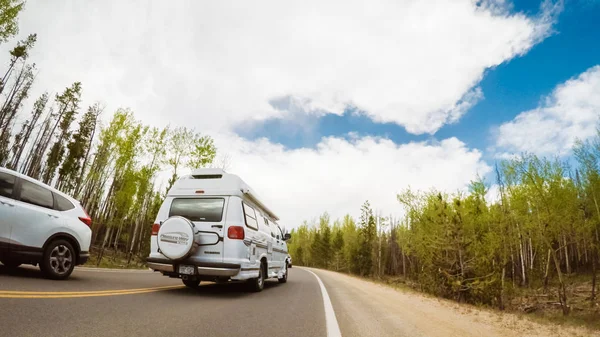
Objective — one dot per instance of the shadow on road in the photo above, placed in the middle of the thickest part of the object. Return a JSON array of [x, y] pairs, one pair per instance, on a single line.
[[21, 272], [27, 272], [220, 290]]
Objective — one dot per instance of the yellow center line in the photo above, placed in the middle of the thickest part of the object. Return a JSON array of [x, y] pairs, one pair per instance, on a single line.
[[72, 294]]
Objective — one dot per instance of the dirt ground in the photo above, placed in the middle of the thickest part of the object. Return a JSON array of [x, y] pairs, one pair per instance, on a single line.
[[365, 308]]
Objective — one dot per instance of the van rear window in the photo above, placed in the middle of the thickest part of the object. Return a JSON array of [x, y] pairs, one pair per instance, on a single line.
[[198, 209]]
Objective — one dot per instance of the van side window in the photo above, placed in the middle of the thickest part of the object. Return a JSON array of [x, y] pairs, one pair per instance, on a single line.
[[271, 229], [267, 226], [250, 216], [277, 230]]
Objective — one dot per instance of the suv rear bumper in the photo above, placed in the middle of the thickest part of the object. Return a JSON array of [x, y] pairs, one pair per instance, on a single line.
[[83, 258], [202, 268]]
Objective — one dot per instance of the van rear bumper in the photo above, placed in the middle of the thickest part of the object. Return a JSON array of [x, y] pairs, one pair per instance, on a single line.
[[203, 268]]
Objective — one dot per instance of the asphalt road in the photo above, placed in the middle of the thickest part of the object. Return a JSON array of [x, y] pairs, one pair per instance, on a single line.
[[99, 302], [143, 303]]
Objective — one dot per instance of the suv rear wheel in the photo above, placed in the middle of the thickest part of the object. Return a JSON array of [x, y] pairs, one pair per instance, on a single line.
[[58, 260]]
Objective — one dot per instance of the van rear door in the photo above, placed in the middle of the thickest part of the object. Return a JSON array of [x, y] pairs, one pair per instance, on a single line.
[[208, 215]]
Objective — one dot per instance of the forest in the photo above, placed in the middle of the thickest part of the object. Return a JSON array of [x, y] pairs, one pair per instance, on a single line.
[[111, 163], [540, 233]]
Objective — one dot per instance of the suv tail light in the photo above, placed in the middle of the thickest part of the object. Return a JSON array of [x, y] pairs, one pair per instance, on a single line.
[[86, 219], [235, 232], [155, 229]]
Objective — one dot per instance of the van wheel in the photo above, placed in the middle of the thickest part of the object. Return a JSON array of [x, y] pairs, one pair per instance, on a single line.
[[258, 284], [284, 278], [59, 260], [191, 283]]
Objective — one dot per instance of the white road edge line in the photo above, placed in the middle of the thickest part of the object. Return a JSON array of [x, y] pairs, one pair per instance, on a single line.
[[333, 329]]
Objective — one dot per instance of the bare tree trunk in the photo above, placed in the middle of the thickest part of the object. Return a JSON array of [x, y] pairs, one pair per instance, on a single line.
[[462, 264], [568, 265], [523, 280], [585, 254], [547, 270], [501, 299], [379, 248], [116, 241], [532, 255], [594, 261], [106, 236], [133, 241], [562, 293], [403, 264], [512, 259]]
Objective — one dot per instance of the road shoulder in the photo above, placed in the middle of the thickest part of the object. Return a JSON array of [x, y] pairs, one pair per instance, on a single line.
[[366, 308]]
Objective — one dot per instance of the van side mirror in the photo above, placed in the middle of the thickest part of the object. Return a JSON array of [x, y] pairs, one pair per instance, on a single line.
[[287, 236]]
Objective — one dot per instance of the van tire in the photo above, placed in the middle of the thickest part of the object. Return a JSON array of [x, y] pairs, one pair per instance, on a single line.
[[284, 278], [258, 284], [191, 283]]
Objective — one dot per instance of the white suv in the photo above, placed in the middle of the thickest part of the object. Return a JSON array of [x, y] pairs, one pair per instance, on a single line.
[[41, 225], [213, 227]]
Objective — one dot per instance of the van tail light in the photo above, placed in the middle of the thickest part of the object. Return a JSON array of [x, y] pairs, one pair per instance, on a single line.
[[235, 232], [86, 219], [155, 229]]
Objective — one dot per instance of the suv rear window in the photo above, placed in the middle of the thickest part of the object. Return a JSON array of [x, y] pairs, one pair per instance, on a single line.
[[62, 203], [198, 209]]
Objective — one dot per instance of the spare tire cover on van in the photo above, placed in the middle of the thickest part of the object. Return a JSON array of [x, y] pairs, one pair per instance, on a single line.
[[176, 237]]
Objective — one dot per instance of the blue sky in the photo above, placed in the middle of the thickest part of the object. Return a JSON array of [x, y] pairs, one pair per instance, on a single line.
[[509, 89], [445, 88]]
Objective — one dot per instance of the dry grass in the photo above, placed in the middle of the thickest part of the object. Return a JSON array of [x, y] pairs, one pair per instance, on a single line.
[[114, 259]]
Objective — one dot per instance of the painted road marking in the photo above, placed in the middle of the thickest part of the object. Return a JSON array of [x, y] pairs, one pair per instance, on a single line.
[[333, 328], [73, 294]]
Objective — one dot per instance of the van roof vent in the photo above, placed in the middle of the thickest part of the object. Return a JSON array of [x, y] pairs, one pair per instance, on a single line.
[[207, 176]]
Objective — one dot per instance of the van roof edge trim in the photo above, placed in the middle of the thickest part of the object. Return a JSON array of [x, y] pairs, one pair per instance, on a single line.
[[255, 199]]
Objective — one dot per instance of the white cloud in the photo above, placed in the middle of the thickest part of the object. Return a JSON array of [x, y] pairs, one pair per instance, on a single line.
[[570, 112], [493, 194], [339, 175], [215, 64]]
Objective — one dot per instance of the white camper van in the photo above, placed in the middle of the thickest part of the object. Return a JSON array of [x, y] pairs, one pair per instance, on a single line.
[[213, 227]]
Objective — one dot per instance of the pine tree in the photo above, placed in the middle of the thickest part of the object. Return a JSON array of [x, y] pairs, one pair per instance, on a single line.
[[366, 239], [28, 127], [18, 54], [68, 106], [9, 12], [72, 166], [16, 95]]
